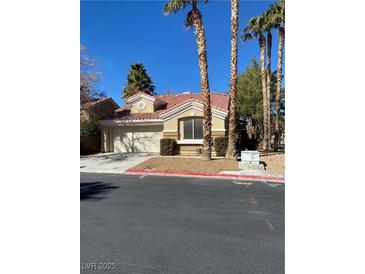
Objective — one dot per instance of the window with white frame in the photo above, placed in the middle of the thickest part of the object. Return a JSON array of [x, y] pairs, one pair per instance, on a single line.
[[193, 128]]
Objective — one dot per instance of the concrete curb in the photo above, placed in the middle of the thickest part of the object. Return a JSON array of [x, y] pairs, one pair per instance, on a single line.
[[208, 175]]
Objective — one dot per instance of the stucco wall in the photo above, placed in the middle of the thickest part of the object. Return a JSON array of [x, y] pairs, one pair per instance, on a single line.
[[137, 138], [173, 128], [147, 138], [149, 106], [106, 139]]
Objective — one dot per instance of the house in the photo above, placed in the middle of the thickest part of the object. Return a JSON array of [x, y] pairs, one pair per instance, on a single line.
[[96, 110], [145, 119]]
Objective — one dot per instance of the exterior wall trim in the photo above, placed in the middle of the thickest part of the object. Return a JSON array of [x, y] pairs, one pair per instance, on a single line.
[[147, 122], [136, 97], [219, 129], [190, 141], [191, 105]]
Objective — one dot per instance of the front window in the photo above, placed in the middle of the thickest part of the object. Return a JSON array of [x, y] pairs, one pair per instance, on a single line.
[[193, 128]]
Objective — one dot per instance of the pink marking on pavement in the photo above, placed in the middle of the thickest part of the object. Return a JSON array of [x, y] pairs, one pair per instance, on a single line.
[[269, 224], [253, 200]]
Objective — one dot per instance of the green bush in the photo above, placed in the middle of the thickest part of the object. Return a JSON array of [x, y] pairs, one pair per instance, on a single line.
[[220, 146], [89, 128], [167, 146]]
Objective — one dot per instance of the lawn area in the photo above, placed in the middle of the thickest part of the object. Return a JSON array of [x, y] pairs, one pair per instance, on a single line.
[[275, 163], [185, 164]]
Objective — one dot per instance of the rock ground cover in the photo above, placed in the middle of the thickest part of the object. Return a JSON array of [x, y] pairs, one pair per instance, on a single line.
[[274, 164]]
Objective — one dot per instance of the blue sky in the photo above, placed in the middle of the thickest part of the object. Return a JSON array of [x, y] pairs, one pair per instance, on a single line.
[[119, 33]]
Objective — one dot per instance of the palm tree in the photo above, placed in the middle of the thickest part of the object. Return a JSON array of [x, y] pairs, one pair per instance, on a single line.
[[255, 29], [232, 126], [194, 19], [268, 26], [277, 12], [138, 81]]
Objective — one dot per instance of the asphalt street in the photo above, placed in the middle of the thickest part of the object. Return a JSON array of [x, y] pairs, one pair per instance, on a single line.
[[152, 224]]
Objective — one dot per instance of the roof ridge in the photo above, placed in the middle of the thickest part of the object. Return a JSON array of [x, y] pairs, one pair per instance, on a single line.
[[192, 93]]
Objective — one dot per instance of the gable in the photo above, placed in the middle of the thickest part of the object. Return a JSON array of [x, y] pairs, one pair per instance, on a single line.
[[172, 123], [142, 106]]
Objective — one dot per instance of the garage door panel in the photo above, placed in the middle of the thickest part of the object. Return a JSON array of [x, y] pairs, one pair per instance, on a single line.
[[137, 139]]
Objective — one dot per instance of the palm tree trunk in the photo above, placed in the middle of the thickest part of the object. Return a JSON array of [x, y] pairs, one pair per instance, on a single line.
[[278, 85], [263, 81], [203, 64], [232, 124], [268, 90]]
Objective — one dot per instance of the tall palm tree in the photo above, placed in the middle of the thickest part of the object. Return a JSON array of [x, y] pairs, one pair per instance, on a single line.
[[194, 19], [268, 26], [232, 125], [277, 12], [255, 29]]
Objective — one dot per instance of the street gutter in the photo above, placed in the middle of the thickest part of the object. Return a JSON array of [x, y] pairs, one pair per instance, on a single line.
[[230, 176]]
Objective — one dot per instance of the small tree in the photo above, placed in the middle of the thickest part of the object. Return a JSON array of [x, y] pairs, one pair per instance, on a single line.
[[250, 98], [89, 128], [138, 80]]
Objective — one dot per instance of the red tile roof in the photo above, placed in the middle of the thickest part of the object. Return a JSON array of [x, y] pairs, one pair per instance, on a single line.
[[97, 102], [218, 100], [126, 116], [168, 102]]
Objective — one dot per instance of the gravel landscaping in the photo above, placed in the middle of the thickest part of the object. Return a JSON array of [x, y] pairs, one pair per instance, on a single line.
[[184, 164], [275, 163]]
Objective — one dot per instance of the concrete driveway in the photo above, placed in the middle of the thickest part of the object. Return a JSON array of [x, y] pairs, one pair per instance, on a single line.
[[112, 162]]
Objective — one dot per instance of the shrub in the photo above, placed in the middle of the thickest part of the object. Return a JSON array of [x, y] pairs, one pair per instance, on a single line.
[[167, 146], [89, 128], [220, 146]]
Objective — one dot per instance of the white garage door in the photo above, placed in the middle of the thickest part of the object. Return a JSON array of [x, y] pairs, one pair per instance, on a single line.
[[137, 139]]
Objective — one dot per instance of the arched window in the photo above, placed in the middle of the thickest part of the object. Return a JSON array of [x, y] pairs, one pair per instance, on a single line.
[[193, 128]]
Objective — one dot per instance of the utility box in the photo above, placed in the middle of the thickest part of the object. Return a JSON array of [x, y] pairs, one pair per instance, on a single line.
[[250, 157], [250, 160]]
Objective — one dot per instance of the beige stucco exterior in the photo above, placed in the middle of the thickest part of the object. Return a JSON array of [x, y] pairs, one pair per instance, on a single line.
[[146, 137], [137, 139], [131, 138], [149, 107], [174, 128]]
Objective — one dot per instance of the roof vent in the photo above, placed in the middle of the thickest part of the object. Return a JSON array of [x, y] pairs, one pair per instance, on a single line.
[[186, 92]]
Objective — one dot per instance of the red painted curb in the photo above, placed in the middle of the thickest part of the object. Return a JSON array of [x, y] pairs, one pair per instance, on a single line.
[[208, 175]]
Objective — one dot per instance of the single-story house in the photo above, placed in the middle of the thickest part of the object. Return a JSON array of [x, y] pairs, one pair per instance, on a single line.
[[145, 119]]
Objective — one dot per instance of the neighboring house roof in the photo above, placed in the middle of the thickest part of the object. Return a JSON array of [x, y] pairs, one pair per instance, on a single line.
[[167, 103], [98, 102]]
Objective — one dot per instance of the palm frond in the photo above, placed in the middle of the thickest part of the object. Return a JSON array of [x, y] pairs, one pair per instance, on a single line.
[[277, 14], [251, 30], [247, 36], [173, 6]]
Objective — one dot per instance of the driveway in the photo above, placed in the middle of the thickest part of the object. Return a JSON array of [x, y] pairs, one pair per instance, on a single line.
[[152, 224], [112, 162]]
